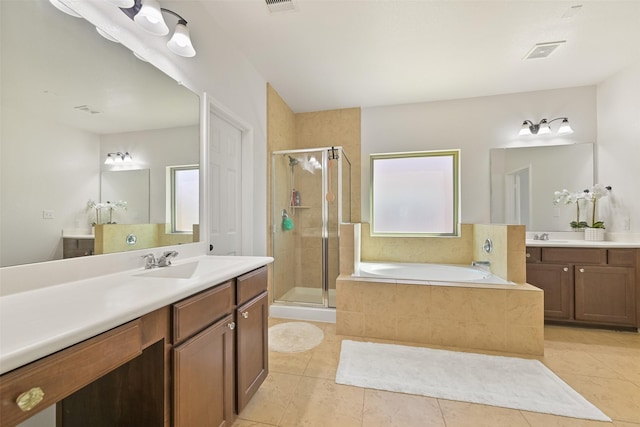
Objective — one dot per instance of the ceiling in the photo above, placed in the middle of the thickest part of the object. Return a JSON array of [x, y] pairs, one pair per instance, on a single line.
[[338, 54]]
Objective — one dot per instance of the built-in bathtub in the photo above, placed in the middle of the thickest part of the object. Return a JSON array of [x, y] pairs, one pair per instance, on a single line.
[[429, 273]]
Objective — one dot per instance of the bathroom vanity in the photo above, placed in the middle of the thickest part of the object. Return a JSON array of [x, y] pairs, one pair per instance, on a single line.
[[587, 283], [172, 346]]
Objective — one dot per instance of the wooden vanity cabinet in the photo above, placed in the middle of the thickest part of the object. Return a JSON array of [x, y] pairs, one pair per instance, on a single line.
[[595, 286], [204, 359], [556, 280], [252, 347]]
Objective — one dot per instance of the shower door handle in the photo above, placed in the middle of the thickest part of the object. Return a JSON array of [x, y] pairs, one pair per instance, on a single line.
[[245, 314]]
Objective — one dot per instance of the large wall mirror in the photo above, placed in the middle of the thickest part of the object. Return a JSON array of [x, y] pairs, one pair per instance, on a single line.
[[524, 179], [69, 98]]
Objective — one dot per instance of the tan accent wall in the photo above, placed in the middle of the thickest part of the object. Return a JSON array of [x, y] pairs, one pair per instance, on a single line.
[[508, 259], [439, 250], [110, 238]]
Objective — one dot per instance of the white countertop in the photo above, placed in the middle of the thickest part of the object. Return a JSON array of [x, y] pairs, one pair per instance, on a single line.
[[569, 243], [38, 322]]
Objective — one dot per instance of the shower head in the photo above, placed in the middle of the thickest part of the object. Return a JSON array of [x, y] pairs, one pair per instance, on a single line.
[[293, 161]]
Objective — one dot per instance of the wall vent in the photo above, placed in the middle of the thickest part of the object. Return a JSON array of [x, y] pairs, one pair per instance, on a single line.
[[542, 50], [280, 5]]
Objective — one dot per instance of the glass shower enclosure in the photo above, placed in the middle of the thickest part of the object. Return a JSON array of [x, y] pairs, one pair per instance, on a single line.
[[311, 196]]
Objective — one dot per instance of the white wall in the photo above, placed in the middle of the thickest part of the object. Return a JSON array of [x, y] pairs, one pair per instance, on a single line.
[[475, 126], [155, 150], [619, 148], [63, 158]]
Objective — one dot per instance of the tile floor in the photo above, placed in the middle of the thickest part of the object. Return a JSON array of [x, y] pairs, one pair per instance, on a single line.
[[604, 366]]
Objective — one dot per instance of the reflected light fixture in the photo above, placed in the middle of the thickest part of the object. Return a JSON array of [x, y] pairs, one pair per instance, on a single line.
[[543, 128], [118, 157], [148, 15]]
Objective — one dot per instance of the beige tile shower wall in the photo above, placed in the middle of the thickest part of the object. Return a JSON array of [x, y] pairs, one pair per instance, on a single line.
[[439, 250], [508, 257], [334, 128], [494, 318], [280, 136]]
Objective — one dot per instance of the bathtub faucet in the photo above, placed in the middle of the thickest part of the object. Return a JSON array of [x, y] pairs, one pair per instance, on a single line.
[[484, 265]]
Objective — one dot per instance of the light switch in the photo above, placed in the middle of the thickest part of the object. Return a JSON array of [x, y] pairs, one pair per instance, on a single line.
[[48, 214]]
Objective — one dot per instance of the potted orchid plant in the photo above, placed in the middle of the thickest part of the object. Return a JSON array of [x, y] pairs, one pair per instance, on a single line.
[[567, 197], [595, 231]]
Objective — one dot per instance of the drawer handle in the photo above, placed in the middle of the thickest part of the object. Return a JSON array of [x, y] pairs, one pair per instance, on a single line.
[[582, 270], [528, 255], [565, 269], [231, 325], [29, 399], [245, 314]]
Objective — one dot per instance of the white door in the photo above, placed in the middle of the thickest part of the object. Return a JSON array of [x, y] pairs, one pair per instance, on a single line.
[[225, 178]]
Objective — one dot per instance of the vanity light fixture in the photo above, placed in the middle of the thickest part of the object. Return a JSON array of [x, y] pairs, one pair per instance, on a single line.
[[118, 157], [542, 128], [148, 15]]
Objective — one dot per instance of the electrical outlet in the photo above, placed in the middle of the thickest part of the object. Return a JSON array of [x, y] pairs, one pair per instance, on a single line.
[[626, 224], [48, 214]]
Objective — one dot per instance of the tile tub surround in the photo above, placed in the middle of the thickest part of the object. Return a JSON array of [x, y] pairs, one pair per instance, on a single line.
[[491, 317], [484, 317]]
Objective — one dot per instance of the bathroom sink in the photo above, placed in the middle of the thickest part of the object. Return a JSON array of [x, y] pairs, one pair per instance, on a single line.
[[181, 271]]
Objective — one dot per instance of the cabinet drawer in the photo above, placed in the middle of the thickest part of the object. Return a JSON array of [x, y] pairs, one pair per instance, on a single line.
[[575, 255], [67, 371], [623, 257], [251, 284], [532, 254], [199, 311]]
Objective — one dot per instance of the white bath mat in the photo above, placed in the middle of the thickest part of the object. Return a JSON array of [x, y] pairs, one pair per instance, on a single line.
[[508, 382], [294, 337]]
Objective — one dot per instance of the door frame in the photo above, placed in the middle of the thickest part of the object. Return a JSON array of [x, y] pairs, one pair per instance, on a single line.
[[212, 107]]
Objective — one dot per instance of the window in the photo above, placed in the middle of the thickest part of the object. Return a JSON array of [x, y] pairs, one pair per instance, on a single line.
[[415, 194], [185, 196]]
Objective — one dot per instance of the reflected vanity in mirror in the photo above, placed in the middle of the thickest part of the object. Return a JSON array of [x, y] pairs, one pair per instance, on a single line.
[[68, 100], [524, 179]]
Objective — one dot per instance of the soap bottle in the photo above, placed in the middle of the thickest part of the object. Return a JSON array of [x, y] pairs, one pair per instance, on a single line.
[[297, 198]]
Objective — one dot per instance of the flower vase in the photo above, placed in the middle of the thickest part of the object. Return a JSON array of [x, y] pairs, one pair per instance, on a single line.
[[594, 234]]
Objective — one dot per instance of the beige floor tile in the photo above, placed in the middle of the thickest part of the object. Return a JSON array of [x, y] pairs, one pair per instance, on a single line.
[[623, 424], [387, 409], [270, 401], [323, 403], [624, 361], [289, 363], [463, 414], [577, 362], [323, 364], [536, 419], [619, 399]]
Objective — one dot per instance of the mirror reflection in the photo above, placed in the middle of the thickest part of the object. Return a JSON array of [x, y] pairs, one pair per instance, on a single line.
[[69, 98], [524, 179]]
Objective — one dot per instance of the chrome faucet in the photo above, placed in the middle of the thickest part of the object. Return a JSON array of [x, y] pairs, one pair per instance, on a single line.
[[165, 259], [149, 261], [543, 236]]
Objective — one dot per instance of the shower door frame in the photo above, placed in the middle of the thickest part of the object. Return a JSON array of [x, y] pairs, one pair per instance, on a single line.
[[325, 217]]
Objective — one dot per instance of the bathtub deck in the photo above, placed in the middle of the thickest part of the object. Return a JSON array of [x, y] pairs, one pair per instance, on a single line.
[[506, 318]]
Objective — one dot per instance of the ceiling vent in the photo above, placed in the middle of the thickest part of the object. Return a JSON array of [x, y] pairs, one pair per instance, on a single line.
[[542, 50], [280, 5]]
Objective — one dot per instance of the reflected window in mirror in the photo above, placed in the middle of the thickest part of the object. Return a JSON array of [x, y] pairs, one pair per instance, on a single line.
[[415, 194], [185, 196]]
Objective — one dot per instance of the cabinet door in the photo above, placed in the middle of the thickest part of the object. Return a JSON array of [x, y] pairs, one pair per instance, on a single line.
[[605, 294], [203, 377], [252, 348], [556, 280]]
